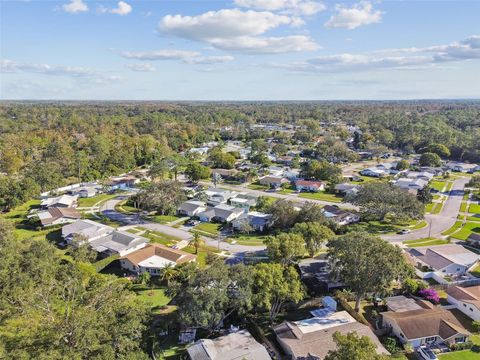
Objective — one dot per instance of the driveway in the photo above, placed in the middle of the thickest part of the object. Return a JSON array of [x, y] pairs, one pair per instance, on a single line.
[[438, 223]]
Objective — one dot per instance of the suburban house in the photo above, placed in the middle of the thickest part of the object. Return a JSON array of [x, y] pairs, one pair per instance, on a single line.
[[123, 182], [311, 186], [153, 258], [373, 172], [218, 196], [235, 346], [86, 191], [425, 175], [102, 238], [312, 338], [65, 201], [257, 220], [273, 181], [285, 160], [291, 174], [226, 174], [460, 167], [411, 183], [341, 217], [347, 189], [199, 150], [390, 168], [244, 201], [449, 259], [275, 170], [401, 303], [58, 215], [192, 208], [466, 299], [428, 325], [221, 213]]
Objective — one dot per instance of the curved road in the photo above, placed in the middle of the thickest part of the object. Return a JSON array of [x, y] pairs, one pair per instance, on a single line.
[[438, 223]]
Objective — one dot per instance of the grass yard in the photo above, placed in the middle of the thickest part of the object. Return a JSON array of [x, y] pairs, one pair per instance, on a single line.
[[285, 191], [474, 208], [437, 185], [463, 207], [160, 238], [474, 218], [88, 202], [257, 186], [208, 228], [321, 196], [163, 219], [455, 227], [420, 225], [449, 186], [464, 354], [437, 208], [425, 242], [429, 207], [155, 298], [250, 239], [465, 232]]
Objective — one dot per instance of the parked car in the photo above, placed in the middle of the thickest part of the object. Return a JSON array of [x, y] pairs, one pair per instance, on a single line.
[[404, 231], [426, 353], [192, 222]]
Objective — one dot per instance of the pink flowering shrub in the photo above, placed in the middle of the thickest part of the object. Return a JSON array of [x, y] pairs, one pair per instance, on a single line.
[[430, 295]]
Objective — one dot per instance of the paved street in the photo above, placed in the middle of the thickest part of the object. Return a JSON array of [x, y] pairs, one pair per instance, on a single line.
[[438, 223]]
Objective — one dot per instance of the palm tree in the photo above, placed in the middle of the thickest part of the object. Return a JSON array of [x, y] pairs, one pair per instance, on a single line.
[[169, 273], [196, 242]]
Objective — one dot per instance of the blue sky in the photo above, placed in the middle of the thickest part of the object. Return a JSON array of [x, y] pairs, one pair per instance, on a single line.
[[239, 49]]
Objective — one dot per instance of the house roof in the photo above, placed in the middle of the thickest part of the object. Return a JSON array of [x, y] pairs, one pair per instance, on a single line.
[[310, 183], [117, 241], [469, 295], [86, 228], [422, 323], [273, 179], [440, 256], [223, 211], [162, 251], [67, 200], [191, 205], [473, 237], [235, 346], [54, 213], [401, 303], [314, 336]]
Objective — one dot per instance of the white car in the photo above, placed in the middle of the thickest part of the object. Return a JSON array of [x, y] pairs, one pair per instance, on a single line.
[[426, 353]]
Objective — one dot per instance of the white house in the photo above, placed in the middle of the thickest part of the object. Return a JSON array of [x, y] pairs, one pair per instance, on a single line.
[[467, 300], [65, 201], [222, 213], [153, 258], [411, 184], [257, 220], [373, 172], [307, 185], [340, 216]]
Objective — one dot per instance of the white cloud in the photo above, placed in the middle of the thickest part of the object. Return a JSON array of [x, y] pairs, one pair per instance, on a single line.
[[407, 58], [237, 30], [80, 73], [188, 57], [122, 8], [146, 67], [358, 15], [267, 45], [75, 6], [299, 7]]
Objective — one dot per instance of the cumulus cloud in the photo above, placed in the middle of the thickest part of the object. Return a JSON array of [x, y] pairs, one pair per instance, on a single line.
[[122, 8], [146, 67], [188, 57], [76, 72], [237, 30], [75, 6], [299, 7], [407, 58], [352, 17]]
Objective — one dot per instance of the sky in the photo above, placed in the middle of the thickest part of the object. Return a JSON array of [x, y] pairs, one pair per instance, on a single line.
[[239, 50]]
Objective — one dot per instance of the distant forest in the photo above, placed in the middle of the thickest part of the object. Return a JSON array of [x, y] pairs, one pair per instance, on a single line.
[[47, 144]]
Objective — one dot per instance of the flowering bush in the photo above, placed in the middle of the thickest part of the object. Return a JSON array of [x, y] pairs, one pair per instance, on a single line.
[[430, 295]]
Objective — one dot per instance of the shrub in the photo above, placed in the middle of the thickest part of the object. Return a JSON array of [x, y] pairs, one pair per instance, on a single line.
[[430, 295], [391, 345], [411, 286], [461, 346], [476, 325]]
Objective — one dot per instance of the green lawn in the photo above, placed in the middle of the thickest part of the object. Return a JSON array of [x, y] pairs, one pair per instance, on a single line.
[[88, 202], [474, 208], [163, 219], [455, 227], [463, 207], [465, 232], [437, 185], [209, 228], [449, 186], [420, 225], [257, 186], [474, 218], [155, 298], [425, 242], [321, 196], [285, 191], [437, 208], [251, 239], [160, 238]]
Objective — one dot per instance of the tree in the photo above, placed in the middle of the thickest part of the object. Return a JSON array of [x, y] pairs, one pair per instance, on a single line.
[[377, 199], [352, 346], [439, 149], [220, 159], [314, 235], [274, 285], [216, 178], [195, 172], [424, 195], [196, 241], [474, 181], [169, 273], [144, 278], [366, 263], [80, 250], [311, 212], [403, 165], [430, 159], [164, 197], [321, 170], [285, 247], [283, 213]]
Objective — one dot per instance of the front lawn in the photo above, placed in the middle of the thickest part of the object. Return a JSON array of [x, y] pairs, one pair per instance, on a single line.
[[474, 208], [323, 196], [455, 227], [163, 219], [257, 186], [248, 239], [437, 185], [160, 238], [287, 190], [460, 355], [465, 232], [425, 242], [155, 297], [89, 202], [208, 228]]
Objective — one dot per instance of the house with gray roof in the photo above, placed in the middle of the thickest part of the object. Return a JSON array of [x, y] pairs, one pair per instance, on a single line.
[[192, 208], [66, 201], [221, 213], [257, 220], [235, 346]]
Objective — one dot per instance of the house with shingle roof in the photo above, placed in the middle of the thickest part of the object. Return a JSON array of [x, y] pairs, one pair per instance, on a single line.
[[312, 338], [192, 207], [467, 300], [425, 326], [59, 201], [221, 213], [309, 185], [58, 215], [273, 181], [153, 258]]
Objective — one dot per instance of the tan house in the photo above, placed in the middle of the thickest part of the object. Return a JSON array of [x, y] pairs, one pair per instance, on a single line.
[[153, 258], [467, 300], [429, 325]]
